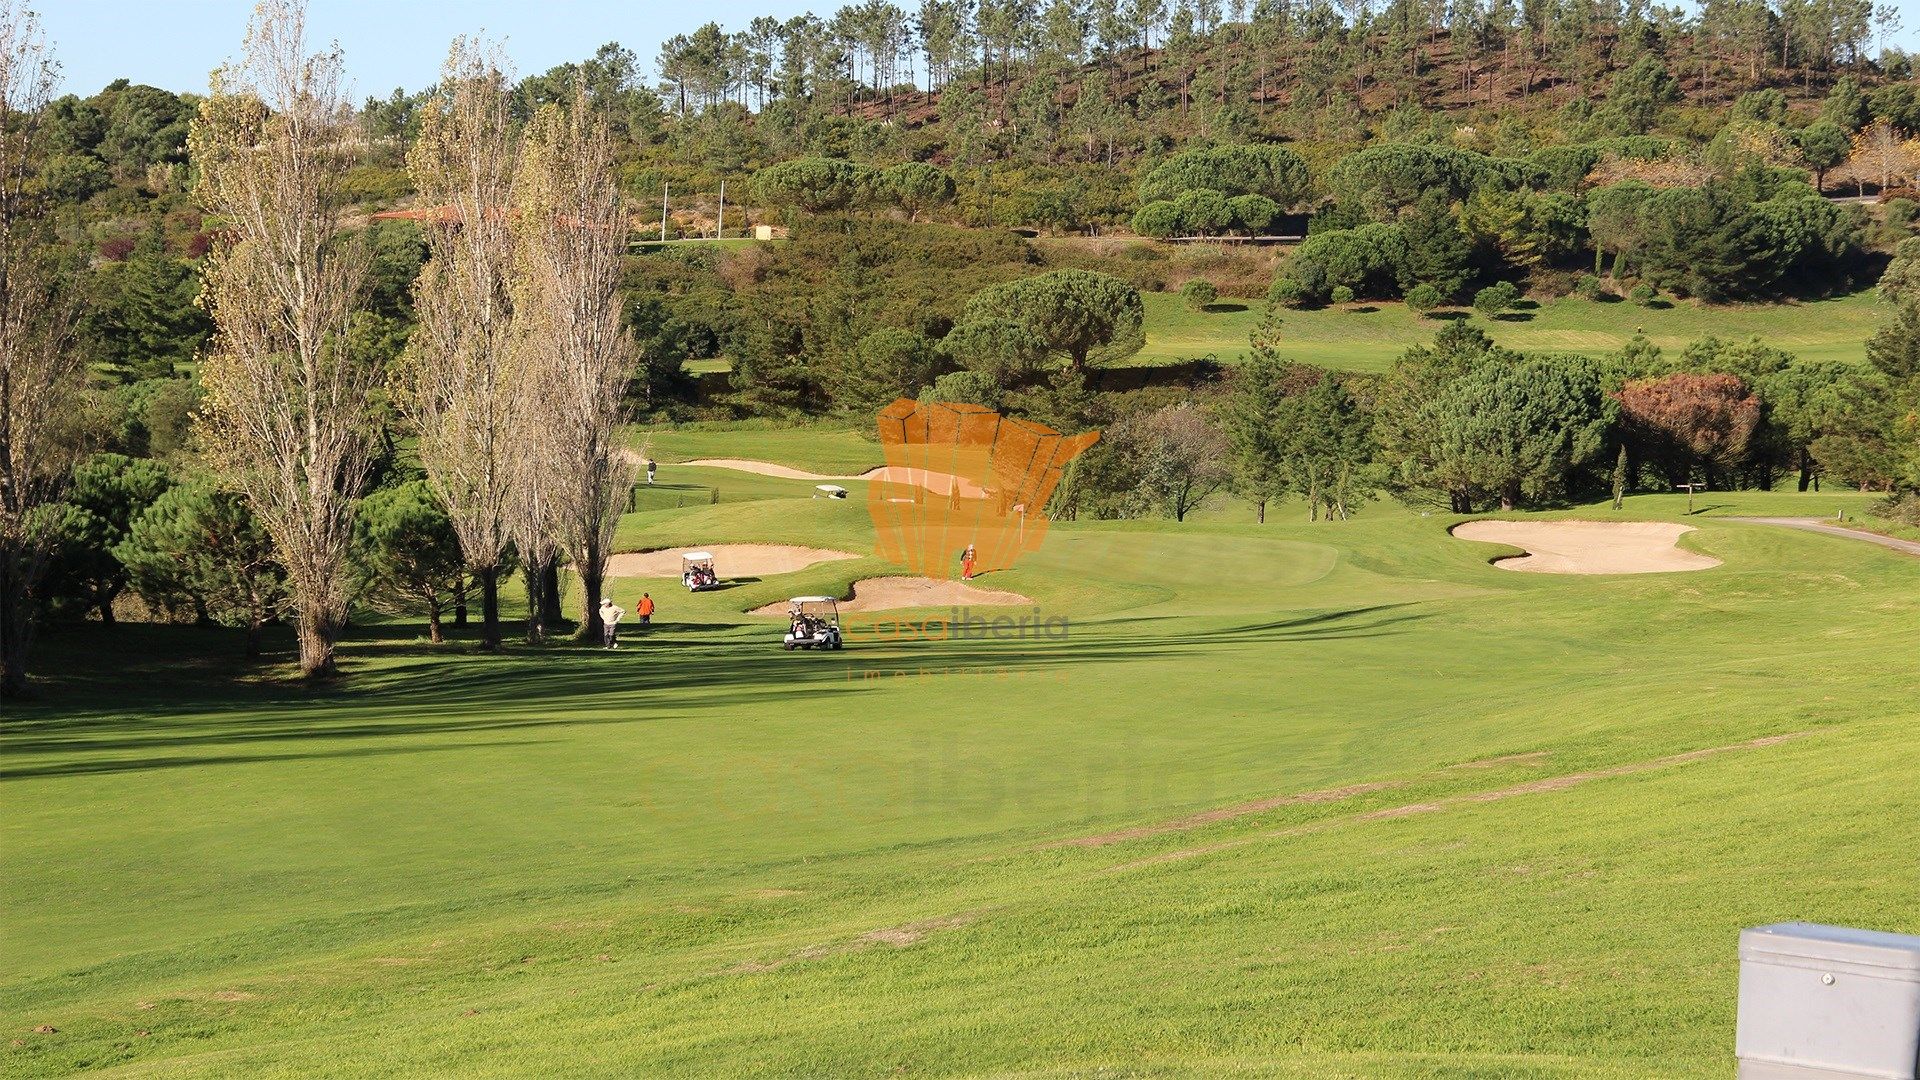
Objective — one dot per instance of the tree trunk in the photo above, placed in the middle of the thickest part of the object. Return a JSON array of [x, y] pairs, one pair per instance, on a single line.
[[16, 629], [316, 633], [550, 612], [104, 603], [460, 599], [433, 624], [489, 609], [1260, 510], [534, 575], [254, 622], [590, 618]]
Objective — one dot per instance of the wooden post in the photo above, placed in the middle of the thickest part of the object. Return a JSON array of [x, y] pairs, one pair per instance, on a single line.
[[664, 188], [720, 228]]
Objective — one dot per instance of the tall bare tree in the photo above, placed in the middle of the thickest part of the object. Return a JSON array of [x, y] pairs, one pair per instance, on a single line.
[[460, 372], [41, 376], [573, 234], [533, 517], [287, 418]]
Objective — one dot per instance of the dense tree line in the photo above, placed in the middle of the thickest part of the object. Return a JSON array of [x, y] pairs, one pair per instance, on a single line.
[[1462, 425]]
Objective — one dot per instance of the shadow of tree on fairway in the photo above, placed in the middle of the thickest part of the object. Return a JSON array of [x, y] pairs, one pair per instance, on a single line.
[[94, 723], [107, 766]]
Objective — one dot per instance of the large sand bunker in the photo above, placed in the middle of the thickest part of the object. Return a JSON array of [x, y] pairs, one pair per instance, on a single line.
[[1589, 547], [729, 560], [888, 593], [938, 483]]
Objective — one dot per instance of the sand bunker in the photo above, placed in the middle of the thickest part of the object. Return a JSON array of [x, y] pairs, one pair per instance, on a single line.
[[762, 468], [938, 483], [1589, 547], [888, 593], [729, 560]]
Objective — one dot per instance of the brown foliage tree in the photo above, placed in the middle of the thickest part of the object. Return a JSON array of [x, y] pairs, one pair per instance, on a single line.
[[1688, 423]]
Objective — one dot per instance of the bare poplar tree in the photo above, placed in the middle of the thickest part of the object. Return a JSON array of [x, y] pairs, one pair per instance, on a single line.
[[533, 517], [573, 235], [460, 373], [287, 418], [41, 376]]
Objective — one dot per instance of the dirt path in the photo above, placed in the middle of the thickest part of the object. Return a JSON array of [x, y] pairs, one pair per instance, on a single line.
[[1820, 525], [1589, 547]]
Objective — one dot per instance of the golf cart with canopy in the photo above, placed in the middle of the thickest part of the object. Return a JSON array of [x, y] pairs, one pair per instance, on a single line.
[[813, 622], [696, 571]]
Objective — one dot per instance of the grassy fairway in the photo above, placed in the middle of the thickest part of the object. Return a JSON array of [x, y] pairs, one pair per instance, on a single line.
[[832, 451], [1537, 810], [1368, 337]]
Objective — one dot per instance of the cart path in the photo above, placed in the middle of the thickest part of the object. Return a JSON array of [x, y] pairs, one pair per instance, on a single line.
[[1820, 525]]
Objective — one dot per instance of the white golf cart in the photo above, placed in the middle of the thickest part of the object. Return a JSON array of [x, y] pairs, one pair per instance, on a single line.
[[696, 571], [813, 622]]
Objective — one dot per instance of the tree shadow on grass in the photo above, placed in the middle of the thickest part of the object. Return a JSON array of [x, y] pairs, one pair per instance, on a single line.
[[1454, 315], [1513, 317], [190, 715], [1223, 309]]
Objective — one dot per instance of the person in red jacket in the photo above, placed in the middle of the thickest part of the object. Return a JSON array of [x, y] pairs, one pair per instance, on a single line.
[[644, 609]]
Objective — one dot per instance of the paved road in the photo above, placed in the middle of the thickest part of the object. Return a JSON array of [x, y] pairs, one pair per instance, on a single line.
[[1820, 525]]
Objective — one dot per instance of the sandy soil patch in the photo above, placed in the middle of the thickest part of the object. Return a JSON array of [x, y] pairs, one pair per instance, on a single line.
[[729, 560], [938, 483], [763, 468], [1589, 547], [888, 593]]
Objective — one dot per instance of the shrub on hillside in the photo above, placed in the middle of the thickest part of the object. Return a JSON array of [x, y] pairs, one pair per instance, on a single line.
[[1643, 294], [1253, 214], [1374, 261], [1424, 298], [1495, 299], [1589, 287], [1342, 295], [1287, 292], [1203, 212], [1199, 293], [1158, 219], [1272, 171]]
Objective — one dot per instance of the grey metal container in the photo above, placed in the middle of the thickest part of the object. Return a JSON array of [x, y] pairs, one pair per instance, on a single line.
[[1828, 1001]]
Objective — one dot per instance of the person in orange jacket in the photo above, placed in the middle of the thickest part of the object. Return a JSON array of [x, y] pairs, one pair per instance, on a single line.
[[644, 609]]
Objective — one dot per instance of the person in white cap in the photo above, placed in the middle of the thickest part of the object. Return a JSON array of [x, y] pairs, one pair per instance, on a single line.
[[610, 613]]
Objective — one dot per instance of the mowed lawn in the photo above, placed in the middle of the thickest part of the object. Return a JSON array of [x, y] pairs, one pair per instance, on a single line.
[[1287, 800], [831, 450], [1369, 337]]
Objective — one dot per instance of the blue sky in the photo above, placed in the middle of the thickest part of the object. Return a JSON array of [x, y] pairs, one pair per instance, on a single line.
[[175, 43]]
